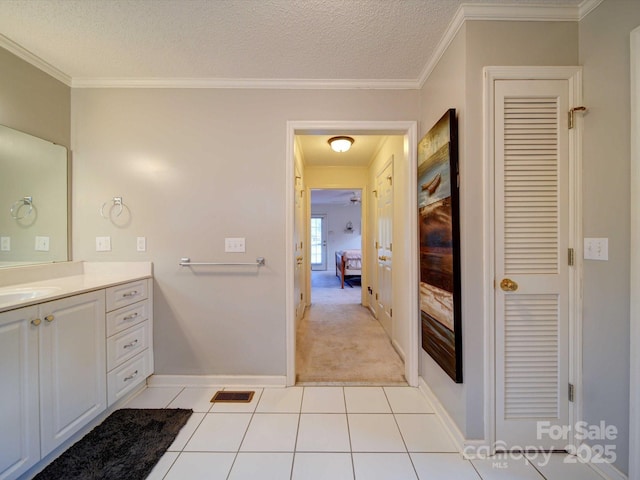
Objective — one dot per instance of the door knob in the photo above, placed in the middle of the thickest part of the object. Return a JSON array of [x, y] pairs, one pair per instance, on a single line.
[[36, 321], [49, 318], [508, 285], [382, 258]]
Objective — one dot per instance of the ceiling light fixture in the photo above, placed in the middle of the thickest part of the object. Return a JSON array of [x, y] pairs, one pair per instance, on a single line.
[[340, 144]]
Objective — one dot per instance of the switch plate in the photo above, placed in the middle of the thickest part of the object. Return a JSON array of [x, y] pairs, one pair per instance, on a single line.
[[141, 244], [42, 244], [596, 249], [103, 244], [236, 244], [5, 244]]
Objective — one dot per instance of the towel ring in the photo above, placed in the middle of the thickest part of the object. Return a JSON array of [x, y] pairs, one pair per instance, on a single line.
[[116, 202], [17, 206]]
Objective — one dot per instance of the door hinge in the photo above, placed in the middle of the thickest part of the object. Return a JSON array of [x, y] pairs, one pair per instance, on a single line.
[[391, 247], [377, 245], [376, 296], [571, 112], [390, 178], [571, 257], [391, 312], [572, 392], [301, 297], [375, 193]]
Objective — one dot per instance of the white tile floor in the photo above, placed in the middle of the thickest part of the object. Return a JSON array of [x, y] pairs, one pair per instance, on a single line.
[[313, 433]]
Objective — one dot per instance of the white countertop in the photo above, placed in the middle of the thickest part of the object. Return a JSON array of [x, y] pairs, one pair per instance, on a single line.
[[94, 276]]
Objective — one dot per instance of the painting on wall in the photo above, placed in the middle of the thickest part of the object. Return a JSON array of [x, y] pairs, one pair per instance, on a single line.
[[439, 230]]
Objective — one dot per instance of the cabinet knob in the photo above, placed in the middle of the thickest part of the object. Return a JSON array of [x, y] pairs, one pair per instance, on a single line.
[[36, 322], [49, 318]]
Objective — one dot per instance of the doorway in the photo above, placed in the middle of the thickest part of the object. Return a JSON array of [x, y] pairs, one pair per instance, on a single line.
[[404, 292], [318, 234]]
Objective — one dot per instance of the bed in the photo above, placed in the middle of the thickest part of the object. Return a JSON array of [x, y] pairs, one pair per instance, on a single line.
[[348, 266]]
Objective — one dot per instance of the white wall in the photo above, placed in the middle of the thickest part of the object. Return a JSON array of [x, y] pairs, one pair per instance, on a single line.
[[195, 166], [604, 54]]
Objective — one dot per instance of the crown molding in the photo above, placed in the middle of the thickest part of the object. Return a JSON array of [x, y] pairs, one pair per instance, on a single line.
[[515, 13], [241, 83], [34, 60], [587, 6]]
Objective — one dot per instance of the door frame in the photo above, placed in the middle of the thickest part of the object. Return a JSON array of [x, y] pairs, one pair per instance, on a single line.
[[407, 296], [574, 76], [634, 367]]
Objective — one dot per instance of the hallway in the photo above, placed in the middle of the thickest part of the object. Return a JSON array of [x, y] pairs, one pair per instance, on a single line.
[[340, 342]]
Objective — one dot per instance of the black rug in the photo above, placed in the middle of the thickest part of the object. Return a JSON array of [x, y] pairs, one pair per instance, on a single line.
[[126, 446]]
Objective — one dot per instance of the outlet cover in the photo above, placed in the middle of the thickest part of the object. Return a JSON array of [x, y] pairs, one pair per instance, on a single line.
[[141, 244], [5, 244], [103, 244], [42, 244], [236, 244]]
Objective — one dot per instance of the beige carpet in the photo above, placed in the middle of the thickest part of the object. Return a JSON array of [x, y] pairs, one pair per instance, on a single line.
[[340, 342]]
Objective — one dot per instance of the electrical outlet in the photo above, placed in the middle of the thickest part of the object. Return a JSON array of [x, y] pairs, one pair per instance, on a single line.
[[596, 249], [141, 244], [42, 244], [5, 244], [103, 244], [234, 245]]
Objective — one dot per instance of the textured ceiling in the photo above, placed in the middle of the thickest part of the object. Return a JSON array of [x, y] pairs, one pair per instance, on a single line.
[[235, 39]]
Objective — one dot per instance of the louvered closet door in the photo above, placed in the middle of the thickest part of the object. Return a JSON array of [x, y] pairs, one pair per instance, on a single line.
[[531, 219]]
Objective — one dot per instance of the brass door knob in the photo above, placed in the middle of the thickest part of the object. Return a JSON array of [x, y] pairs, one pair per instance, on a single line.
[[49, 318], [36, 322], [382, 258], [508, 285]]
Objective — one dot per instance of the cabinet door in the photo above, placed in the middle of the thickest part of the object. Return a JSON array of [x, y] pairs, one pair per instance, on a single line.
[[72, 366], [19, 411]]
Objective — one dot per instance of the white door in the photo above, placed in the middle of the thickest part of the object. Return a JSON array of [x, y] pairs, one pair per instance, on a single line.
[[72, 366], [531, 266], [384, 245], [19, 411], [299, 276], [318, 242]]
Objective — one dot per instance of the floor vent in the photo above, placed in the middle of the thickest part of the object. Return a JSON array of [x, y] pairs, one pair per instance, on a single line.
[[232, 397]]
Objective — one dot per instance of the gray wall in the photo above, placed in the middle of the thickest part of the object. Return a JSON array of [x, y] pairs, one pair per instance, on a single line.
[[457, 82], [194, 166], [337, 238], [33, 101], [604, 54]]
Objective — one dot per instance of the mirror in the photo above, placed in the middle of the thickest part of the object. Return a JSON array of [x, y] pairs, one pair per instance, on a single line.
[[33, 200]]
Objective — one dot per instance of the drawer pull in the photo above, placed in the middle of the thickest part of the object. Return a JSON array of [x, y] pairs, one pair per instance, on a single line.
[[49, 318], [131, 344], [131, 377], [130, 317], [130, 294]]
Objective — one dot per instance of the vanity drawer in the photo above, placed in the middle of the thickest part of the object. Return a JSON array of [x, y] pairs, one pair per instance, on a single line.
[[126, 294], [127, 344], [127, 376], [126, 317]]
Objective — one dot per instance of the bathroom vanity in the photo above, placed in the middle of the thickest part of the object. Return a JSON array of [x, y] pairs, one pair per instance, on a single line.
[[71, 347]]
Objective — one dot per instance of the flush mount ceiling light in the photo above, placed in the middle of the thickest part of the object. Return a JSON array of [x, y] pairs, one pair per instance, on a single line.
[[340, 144]]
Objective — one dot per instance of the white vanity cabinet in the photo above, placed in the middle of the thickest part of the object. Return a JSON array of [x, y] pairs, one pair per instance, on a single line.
[[52, 366], [19, 403], [129, 338]]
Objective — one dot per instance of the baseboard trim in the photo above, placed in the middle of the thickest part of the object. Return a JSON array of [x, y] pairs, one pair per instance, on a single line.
[[607, 470], [398, 349], [451, 426], [217, 380]]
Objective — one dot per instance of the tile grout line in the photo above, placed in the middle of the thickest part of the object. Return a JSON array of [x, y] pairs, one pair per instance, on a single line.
[[346, 414], [404, 442], [295, 444]]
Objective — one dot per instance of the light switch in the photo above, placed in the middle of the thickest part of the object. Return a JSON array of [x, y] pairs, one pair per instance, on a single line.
[[5, 244], [42, 244], [596, 249], [234, 245], [103, 244], [141, 244]]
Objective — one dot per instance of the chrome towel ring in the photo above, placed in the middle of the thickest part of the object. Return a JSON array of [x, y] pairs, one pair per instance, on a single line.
[[116, 202], [16, 208]]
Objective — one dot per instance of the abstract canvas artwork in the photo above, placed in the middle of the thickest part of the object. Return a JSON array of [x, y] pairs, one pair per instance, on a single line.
[[439, 230]]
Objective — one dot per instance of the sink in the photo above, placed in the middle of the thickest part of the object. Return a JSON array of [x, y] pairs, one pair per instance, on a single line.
[[13, 295]]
